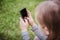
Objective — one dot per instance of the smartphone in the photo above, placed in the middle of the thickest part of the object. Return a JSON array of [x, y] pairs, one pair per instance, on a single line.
[[23, 13]]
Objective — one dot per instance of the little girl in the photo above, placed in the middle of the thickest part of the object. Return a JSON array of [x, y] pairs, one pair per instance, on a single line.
[[48, 18]]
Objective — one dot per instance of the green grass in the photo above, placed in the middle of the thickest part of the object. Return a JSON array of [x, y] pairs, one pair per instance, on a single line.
[[9, 18]]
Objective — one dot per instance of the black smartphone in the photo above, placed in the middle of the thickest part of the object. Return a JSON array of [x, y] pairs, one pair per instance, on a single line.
[[23, 13]]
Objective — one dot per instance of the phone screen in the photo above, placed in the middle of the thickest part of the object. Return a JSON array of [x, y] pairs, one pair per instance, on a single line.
[[23, 13]]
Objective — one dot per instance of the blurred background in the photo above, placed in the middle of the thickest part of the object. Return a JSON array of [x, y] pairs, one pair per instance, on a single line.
[[9, 18]]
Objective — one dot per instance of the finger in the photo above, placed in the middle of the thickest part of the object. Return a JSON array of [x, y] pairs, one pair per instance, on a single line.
[[21, 20], [27, 18], [29, 13], [26, 21]]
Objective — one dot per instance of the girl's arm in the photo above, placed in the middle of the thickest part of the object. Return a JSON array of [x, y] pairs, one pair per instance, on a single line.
[[39, 33], [35, 28]]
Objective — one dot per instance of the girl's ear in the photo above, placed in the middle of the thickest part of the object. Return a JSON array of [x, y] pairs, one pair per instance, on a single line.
[[46, 30]]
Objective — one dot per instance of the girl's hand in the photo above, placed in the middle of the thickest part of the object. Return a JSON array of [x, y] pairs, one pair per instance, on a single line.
[[23, 24], [30, 19]]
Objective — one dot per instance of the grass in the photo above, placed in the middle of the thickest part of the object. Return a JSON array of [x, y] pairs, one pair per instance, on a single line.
[[9, 18]]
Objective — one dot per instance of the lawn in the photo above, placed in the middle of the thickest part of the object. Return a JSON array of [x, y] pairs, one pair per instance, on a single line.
[[9, 18]]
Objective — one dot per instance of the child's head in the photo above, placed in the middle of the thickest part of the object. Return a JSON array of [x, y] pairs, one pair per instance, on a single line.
[[56, 1], [47, 14]]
